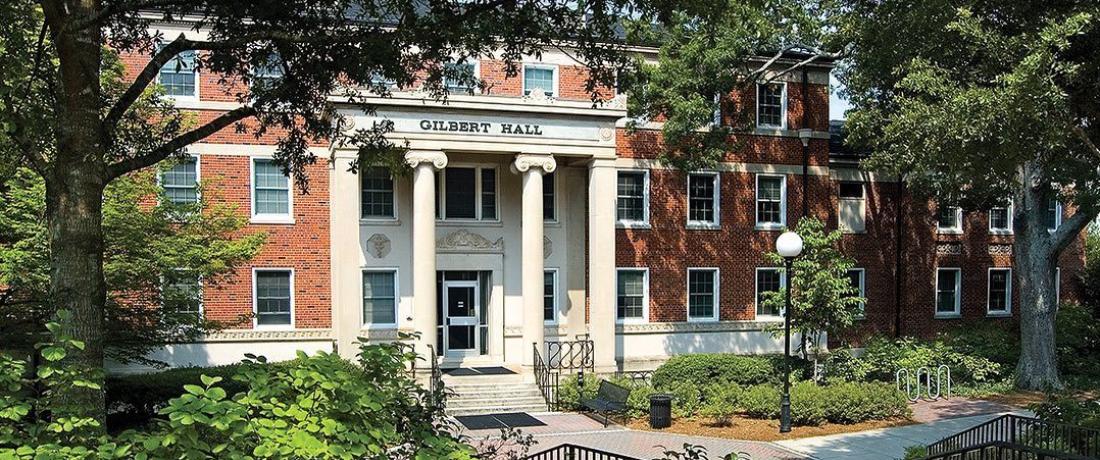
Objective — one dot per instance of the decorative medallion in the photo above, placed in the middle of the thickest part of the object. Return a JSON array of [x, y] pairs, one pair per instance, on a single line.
[[378, 245], [538, 96], [1000, 249], [464, 240], [953, 249], [605, 133]]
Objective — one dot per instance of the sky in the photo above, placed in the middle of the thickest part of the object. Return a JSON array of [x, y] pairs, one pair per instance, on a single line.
[[837, 106]]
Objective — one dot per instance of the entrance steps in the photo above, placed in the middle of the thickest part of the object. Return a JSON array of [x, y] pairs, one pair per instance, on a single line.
[[492, 394]]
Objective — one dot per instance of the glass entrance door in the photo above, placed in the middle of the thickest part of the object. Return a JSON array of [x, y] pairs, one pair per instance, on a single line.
[[460, 299]]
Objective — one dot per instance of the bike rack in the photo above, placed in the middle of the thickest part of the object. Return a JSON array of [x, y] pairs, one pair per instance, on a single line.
[[914, 393]]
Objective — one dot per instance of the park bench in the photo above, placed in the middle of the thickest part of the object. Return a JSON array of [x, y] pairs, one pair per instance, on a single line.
[[609, 398]]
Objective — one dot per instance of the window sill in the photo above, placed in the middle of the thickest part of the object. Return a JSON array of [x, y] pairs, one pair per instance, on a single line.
[[769, 319], [704, 226], [999, 314], [551, 223], [468, 223], [379, 221], [770, 227], [702, 320], [273, 328], [949, 231], [380, 326], [948, 315], [1001, 232], [632, 224], [632, 321], [272, 220]]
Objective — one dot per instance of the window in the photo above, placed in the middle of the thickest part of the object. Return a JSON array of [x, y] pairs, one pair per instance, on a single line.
[[632, 294], [379, 80], [857, 279], [703, 192], [459, 78], [468, 193], [541, 78], [548, 211], [1058, 285], [181, 293], [632, 203], [178, 76], [1053, 217], [768, 280], [771, 201], [380, 297], [949, 219], [377, 193], [1000, 219], [266, 74], [181, 181], [948, 291], [270, 190], [702, 293], [852, 207], [549, 296], [1000, 291], [273, 299], [771, 105]]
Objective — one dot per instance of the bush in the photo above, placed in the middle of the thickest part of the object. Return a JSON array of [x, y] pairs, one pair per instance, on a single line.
[[843, 366], [707, 368], [990, 340], [637, 403], [720, 402], [686, 399], [1069, 409], [1077, 341], [761, 401], [569, 397], [808, 403], [134, 399], [884, 357], [854, 402]]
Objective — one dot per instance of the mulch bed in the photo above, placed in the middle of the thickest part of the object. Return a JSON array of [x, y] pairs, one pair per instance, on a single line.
[[760, 430]]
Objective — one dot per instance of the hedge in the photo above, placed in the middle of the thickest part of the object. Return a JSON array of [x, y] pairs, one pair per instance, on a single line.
[[707, 368]]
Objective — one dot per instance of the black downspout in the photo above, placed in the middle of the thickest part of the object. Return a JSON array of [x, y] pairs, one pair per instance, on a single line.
[[805, 143], [899, 243]]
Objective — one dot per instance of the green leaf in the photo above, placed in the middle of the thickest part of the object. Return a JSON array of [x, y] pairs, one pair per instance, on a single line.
[[53, 354]]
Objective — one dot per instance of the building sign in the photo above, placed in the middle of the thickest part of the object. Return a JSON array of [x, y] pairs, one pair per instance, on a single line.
[[480, 127], [416, 123]]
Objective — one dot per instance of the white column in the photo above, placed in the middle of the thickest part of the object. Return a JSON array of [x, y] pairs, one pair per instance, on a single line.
[[532, 167], [424, 164], [602, 184]]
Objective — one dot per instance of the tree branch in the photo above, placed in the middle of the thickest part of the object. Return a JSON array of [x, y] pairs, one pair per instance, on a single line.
[[1084, 137], [179, 142], [1071, 227], [152, 68], [122, 7]]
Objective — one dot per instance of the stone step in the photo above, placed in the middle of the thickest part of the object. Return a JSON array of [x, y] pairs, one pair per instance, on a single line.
[[492, 402], [494, 396], [533, 409]]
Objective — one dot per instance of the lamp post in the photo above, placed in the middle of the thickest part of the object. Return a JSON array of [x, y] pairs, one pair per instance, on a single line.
[[789, 246]]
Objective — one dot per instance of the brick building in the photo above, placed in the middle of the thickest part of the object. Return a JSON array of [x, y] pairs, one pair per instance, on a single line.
[[532, 215]]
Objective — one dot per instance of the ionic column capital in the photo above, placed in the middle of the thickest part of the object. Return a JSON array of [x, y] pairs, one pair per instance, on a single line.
[[434, 157], [525, 161]]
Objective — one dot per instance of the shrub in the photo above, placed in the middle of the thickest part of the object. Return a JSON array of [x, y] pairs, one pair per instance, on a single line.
[[842, 365], [134, 399], [992, 341], [1077, 341], [569, 397], [761, 401], [808, 403], [854, 402], [884, 357], [1066, 408], [686, 399], [720, 402], [915, 452], [703, 369], [637, 403]]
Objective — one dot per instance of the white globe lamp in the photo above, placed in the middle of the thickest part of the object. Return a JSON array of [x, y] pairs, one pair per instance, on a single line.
[[789, 245]]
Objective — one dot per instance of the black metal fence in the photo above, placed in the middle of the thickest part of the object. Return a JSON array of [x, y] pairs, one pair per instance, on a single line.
[[1027, 437], [574, 452], [570, 355], [546, 379]]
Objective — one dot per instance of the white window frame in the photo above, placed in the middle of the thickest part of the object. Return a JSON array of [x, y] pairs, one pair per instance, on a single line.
[[782, 204], [644, 223], [862, 291], [716, 273], [783, 98], [256, 301], [989, 292], [194, 70], [957, 229], [477, 77], [862, 200], [1058, 285], [373, 219], [557, 303], [645, 296], [1057, 216], [396, 297], [1001, 231], [756, 292], [257, 76], [716, 223], [555, 83], [958, 293], [202, 292], [198, 176], [441, 189], [287, 218]]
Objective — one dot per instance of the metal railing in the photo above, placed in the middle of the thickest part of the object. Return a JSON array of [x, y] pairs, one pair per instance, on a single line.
[[547, 380], [570, 355], [1005, 451], [1026, 434], [435, 379], [575, 452]]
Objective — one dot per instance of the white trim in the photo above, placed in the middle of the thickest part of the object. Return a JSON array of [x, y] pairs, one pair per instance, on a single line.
[[1058, 285], [551, 67], [715, 274], [716, 197], [556, 294], [756, 292], [163, 282], [375, 220], [783, 103], [441, 190], [645, 295], [396, 297], [255, 299], [1001, 231], [989, 292], [862, 290], [1057, 216], [194, 71], [958, 294], [287, 218], [782, 204], [476, 350], [198, 176], [957, 229], [644, 223]]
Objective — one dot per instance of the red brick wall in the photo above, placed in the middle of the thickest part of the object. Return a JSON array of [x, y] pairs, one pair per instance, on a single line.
[[646, 144]]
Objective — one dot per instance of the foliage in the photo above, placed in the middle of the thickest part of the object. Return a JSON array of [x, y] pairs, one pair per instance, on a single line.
[[149, 242], [686, 398], [822, 296], [843, 365], [854, 402], [761, 401], [568, 394], [915, 452], [637, 404], [808, 403], [884, 357], [1078, 341], [990, 340], [706, 56], [720, 402], [318, 406], [694, 452], [1070, 409], [706, 368]]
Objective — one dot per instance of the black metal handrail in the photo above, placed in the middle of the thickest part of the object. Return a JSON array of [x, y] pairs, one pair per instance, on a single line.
[[575, 452], [571, 355], [546, 378], [1025, 433], [1000, 450], [435, 379]]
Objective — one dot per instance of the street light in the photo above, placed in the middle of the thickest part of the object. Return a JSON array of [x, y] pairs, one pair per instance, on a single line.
[[789, 246]]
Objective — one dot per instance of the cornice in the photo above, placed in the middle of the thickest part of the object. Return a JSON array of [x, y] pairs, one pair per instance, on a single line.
[[260, 335], [692, 327]]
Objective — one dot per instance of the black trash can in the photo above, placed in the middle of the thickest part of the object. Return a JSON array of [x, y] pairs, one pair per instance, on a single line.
[[660, 411]]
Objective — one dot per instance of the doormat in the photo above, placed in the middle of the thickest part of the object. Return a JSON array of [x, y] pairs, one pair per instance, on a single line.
[[495, 370], [497, 421]]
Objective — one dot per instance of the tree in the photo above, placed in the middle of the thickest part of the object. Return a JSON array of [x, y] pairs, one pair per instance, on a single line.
[[823, 299], [68, 114], [984, 104], [151, 245]]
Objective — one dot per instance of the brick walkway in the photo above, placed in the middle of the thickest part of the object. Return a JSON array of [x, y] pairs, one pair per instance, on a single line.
[[931, 411], [583, 431]]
